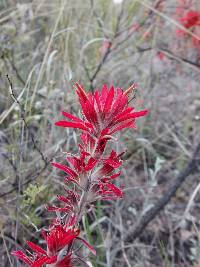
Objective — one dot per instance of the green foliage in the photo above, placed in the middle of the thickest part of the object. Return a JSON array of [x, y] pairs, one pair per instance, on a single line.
[[33, 196], [31, 193], [95, 237]]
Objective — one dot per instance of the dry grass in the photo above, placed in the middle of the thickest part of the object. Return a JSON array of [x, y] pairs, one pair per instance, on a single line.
[[46, 44]]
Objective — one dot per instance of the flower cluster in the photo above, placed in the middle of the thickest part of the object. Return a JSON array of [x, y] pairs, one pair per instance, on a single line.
[[189, 19], [90, 173]]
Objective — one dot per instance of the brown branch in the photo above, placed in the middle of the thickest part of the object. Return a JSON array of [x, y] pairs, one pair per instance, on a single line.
[[191, 167], [12, 63], [172, 56], [107, 52]]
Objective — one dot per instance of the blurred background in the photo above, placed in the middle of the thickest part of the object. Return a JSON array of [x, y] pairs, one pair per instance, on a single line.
[[46, 44]]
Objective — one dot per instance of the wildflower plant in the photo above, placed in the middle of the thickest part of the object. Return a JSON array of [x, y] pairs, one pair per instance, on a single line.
[[91, 174]]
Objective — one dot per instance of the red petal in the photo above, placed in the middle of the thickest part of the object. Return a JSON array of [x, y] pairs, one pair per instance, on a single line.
[[129, 124], [63, 199], [140, 113], [69, 236], [126, 111], [44, 234], [81, 92], [71, 117], [104, 93], [20, 255], [90, 112], [115, 189], [109, 178], [91, 163], [109, 100], [36, 248], [67, 124], [131, 116], [119, 104], [114, 163], [96, 97], [65, 169]]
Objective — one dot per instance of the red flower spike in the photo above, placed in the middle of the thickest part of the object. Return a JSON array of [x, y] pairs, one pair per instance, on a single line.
[[106, 111]]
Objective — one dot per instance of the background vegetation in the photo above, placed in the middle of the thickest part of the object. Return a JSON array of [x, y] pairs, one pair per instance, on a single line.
[[43, 46]]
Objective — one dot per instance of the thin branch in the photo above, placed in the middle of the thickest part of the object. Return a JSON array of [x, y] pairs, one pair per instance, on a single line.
[[192, 166], [27, 181], [172, 56], [107, 52], [24, 120]]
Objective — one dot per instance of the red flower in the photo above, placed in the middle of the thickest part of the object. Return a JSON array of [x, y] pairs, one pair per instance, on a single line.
[[190, 19], [57, 238], [104, 114]]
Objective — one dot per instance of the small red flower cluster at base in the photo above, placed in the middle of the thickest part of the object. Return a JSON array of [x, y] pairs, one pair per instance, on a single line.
[[57, 238], [90, 173]]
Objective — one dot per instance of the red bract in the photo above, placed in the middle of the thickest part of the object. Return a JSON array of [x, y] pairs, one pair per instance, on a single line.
[[108, 166], [109, 191], [37, 259]]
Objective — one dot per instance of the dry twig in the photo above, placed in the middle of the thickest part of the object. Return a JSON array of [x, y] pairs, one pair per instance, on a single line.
[[192, 166]]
